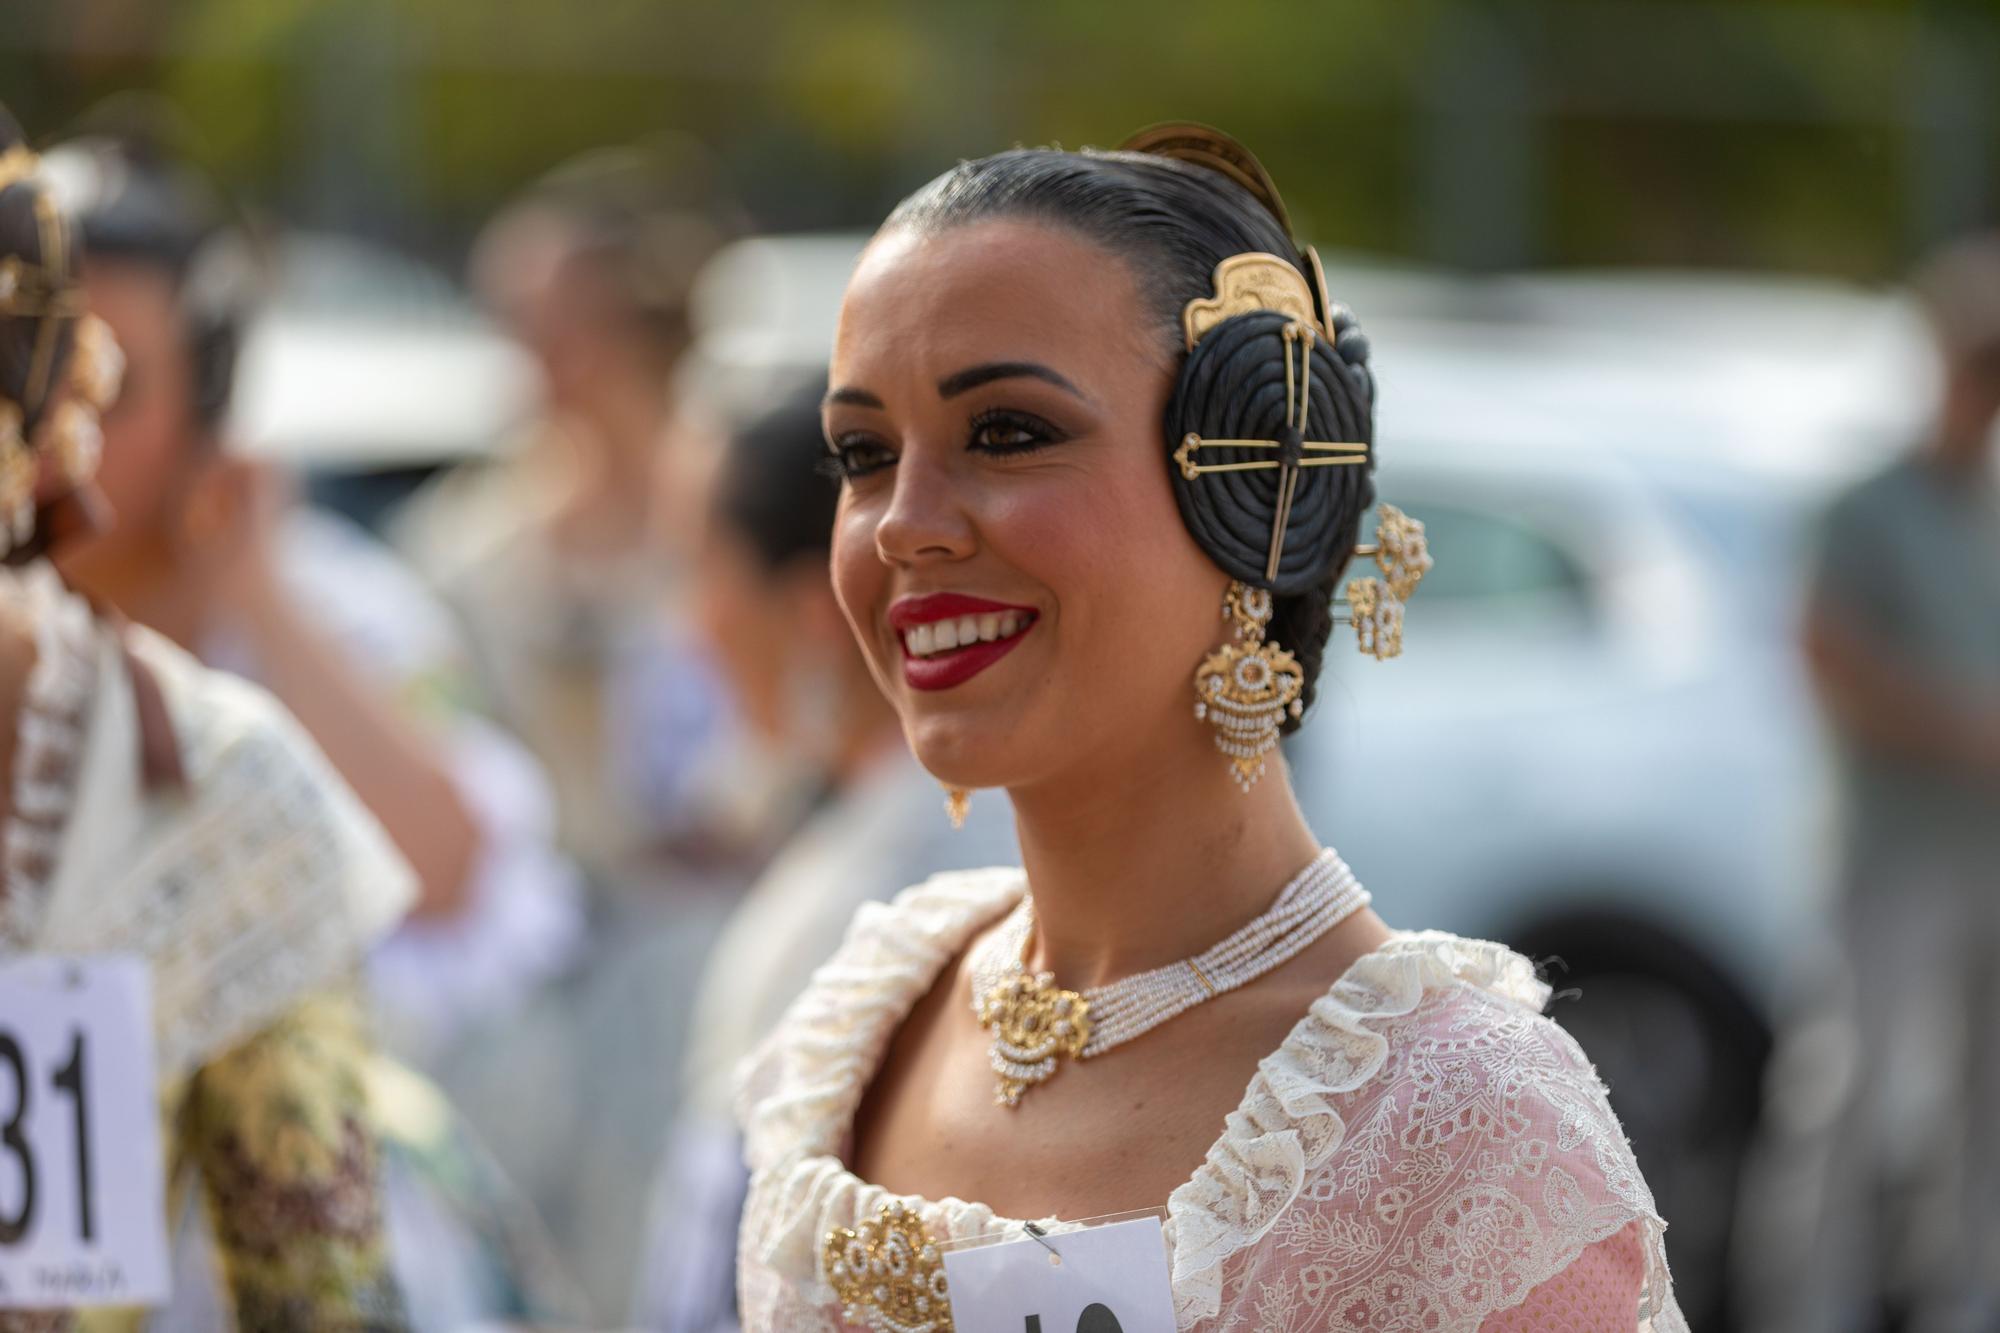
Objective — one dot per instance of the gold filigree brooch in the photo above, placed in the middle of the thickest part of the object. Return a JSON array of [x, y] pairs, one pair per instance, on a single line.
[[887, 1273]]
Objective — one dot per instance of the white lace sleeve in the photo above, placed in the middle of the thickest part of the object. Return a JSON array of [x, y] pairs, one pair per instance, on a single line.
[[1425, 1157]]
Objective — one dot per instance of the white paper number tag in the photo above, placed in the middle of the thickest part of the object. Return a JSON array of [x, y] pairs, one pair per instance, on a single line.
[[82, 1213], [1111, 1279]]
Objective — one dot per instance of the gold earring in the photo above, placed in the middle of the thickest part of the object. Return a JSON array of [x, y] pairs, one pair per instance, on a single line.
[[18, 475], [76, 442], [1244, 689], [957, 804], [1375, 606]]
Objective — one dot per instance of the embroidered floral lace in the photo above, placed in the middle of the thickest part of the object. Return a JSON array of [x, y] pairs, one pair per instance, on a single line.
[[1425, 1151]]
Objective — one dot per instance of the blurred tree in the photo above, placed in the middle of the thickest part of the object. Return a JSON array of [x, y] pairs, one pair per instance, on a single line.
[[1828, 135]]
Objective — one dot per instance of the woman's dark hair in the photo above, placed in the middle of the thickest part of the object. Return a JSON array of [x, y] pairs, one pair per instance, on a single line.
[[22, 222], [641, 222], [770, 489], [131, 178], [1173, 222]]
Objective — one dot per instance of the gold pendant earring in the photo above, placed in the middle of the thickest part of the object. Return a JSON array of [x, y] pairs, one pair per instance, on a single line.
[[18, 475], [957, 804], [1245, 689]]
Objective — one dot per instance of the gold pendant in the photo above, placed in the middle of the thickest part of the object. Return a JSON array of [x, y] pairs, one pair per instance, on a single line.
[[1035, 1024], [887, 1273]]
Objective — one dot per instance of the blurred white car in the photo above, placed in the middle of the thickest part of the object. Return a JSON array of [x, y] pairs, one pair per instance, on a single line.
[[368, 370]]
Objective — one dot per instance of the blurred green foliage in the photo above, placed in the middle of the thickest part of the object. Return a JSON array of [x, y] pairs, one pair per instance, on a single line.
[[1820, 135]]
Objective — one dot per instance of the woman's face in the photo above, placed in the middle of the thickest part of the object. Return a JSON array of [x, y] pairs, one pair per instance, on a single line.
[[996, 405]]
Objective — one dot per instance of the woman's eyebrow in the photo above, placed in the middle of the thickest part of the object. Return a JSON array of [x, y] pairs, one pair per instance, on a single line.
[[852, 396], [973, 376]]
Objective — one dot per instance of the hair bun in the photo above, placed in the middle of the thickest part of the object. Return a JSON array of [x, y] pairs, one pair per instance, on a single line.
[[1350, 342], [1233, 387]]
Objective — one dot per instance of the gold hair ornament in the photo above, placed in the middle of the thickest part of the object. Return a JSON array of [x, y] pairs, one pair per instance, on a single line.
[[1245, 689], [1251, 282], [45, 293]]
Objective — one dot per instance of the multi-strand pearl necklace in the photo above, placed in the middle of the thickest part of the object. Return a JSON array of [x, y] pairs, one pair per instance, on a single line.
[[1036, 1023]]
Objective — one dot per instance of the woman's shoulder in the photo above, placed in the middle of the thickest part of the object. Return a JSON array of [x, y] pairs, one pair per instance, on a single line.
[[1444, 1041], [1424, 1102], [246, 756]]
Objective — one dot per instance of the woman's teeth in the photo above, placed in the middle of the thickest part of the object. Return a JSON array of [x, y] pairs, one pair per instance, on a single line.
[[942, 636]]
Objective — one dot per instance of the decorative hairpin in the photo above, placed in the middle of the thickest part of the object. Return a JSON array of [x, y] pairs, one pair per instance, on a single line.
[[47, 294]]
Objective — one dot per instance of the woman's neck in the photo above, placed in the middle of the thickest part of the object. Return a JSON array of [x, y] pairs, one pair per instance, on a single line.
[[1152, 857], [145, 579]]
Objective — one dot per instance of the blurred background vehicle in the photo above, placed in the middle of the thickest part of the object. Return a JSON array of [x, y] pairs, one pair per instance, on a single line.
[[443, 383], [1598, 746]]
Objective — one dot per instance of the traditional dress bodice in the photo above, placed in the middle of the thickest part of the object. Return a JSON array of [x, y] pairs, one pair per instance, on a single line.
[[1425, 1150]]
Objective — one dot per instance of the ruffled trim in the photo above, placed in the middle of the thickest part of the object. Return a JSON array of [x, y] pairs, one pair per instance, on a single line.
[[1287, 1112], [1287, 1117], [800, 1093], [801, 1090]]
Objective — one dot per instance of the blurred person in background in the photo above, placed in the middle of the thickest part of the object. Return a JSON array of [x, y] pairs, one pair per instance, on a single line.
[[565, 559], [1883, 1183], [875, 823], [164, 811], [563, 556], [209, 548]]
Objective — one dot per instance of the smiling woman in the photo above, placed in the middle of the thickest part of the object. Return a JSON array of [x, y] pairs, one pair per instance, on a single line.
[[1101, 434]]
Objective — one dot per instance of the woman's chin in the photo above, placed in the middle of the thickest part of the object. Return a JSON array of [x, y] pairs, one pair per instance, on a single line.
[[960, 752]]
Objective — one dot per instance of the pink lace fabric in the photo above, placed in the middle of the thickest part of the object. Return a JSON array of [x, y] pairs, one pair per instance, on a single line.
[[1424, 1151]]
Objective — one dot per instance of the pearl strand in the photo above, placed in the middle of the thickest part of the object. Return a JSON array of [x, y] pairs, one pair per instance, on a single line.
[[1319, 898]]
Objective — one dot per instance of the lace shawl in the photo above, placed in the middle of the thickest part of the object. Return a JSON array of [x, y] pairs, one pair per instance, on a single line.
[[253, 893], [263, 882], [1423, 1151]]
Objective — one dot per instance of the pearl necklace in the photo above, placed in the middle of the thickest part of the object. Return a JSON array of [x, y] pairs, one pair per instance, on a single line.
[[1036, 1023]]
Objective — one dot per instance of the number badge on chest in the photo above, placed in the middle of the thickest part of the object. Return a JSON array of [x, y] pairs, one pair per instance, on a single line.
[[82, 1209], [1102, 1279]]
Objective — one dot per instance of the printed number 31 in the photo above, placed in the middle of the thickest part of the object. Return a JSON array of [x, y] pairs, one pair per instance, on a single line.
[[1094, 1319], [14, 1139]]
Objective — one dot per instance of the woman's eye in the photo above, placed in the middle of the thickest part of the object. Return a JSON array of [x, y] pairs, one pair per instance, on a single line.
[[856, 456], [1010, 433]]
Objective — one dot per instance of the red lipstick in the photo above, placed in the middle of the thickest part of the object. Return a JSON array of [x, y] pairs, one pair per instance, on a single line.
[[955, 666]]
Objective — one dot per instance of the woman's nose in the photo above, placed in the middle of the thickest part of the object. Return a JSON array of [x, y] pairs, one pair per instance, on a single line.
[[927, 517]]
